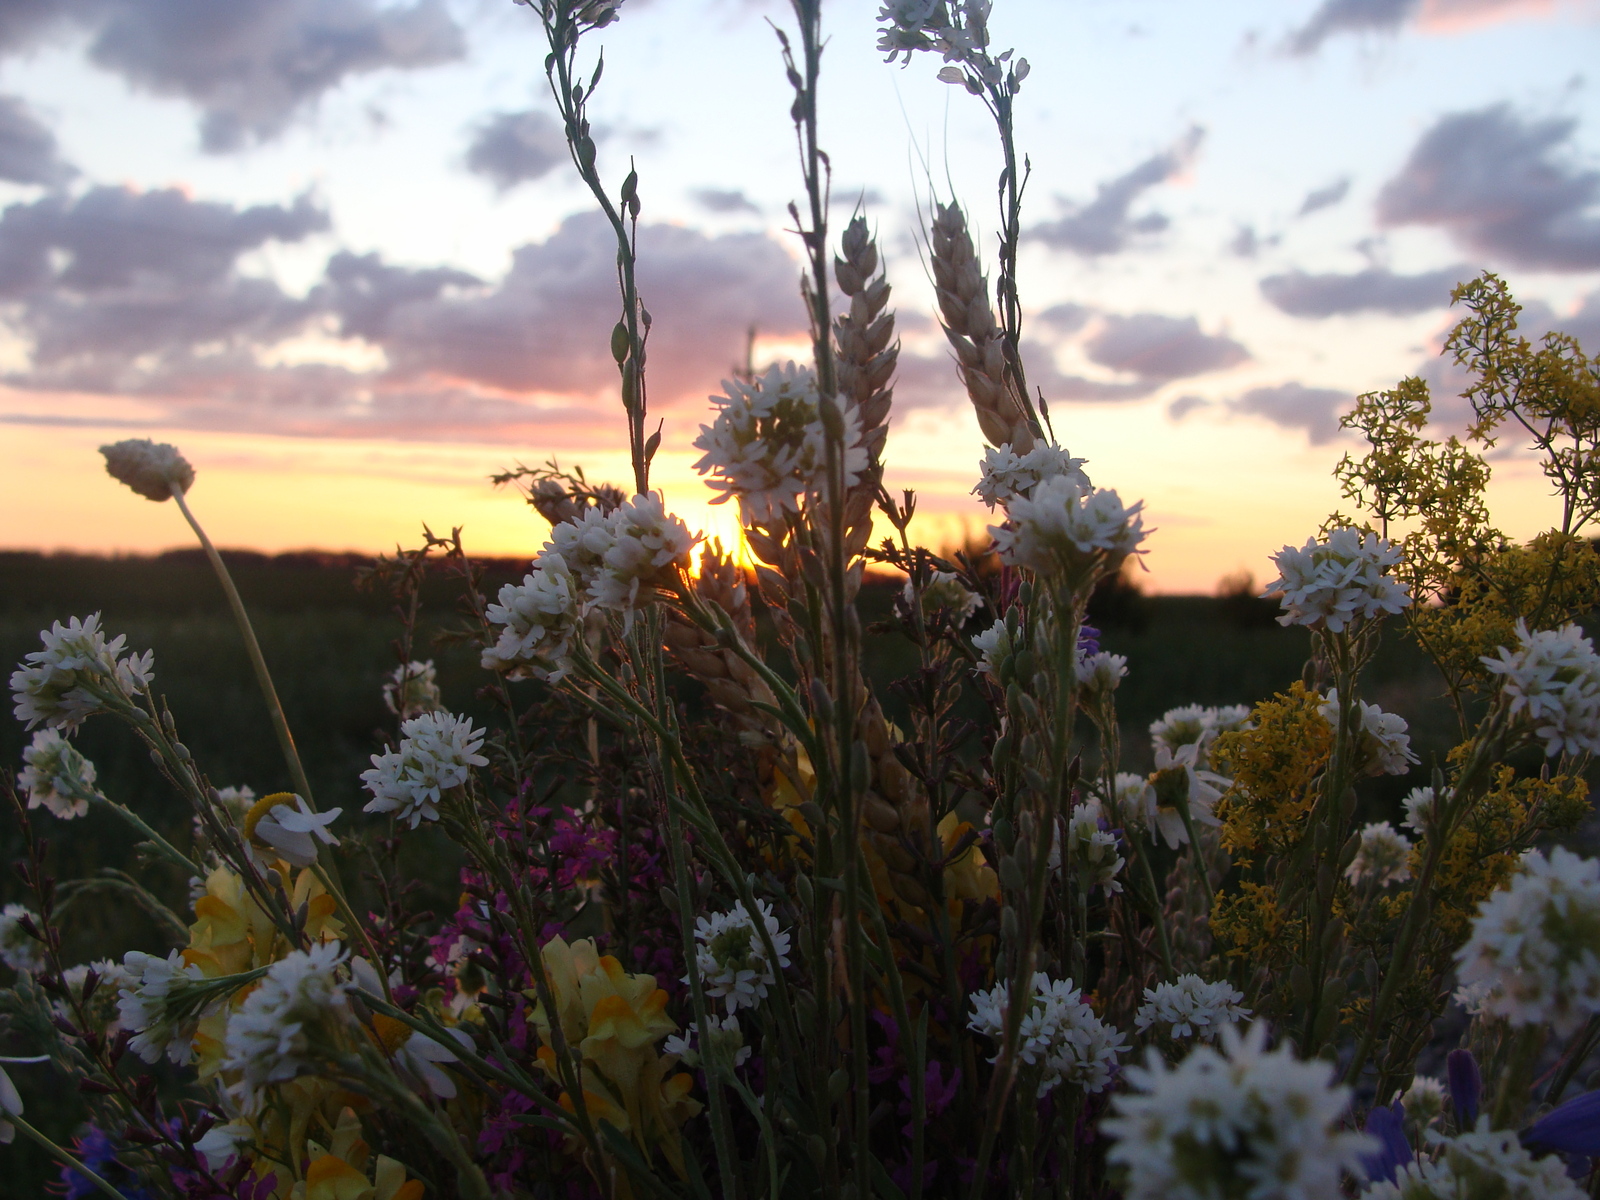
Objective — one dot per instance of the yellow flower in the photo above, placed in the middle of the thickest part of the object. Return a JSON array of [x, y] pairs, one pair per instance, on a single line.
[[969, 876]]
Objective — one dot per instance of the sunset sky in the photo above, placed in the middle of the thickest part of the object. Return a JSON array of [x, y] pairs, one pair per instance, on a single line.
[[335, 251]]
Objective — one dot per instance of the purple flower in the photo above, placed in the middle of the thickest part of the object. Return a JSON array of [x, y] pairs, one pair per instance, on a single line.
[[1466, 1085], [1386, 1122], [1573, 1127]]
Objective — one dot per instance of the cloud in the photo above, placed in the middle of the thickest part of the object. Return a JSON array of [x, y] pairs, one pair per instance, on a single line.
[[1295, 406], [28, 152], [1496, 183], [250, 66], [510, 148], [1325, 197], [1065, 319], [364, 291], [1158, 348], [1377, 289], [723, 200], [1184, 405], [1106, 224], [1351, 16]]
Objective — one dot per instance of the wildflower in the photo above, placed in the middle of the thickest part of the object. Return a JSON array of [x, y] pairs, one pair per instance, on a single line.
[[56, 776], [647, 545], [415, 1055], [1553, 680], [725, 1038], [767, 446], [732, 959], [1059, 1033], [285, 824], [1385, 746], [1386, 1124], [1533, 957], [1242, 1121], [413, 689], [1190, 1007], [11, 1099], [437, 753], [1336, 583], [1423, 1100], [221, 1143], [19, 949], [68, 680], [1091, 848], [1572, 1128], [271, 1035], [539, 619], [1135, 801], [1421, 807], [944, 592], [1381, 857], [109, 979], [152, 469], [1100, 673], [1199, 725], [1007, 476], [1060, 527], [1483, 1162], [154, 1006], [994, 649], [1178, 784], [1466, 1086]]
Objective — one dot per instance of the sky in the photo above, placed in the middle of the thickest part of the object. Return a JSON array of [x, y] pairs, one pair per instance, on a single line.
[[335, 251]]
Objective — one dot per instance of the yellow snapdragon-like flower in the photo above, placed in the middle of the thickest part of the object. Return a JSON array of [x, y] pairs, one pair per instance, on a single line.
[[339, 1170]]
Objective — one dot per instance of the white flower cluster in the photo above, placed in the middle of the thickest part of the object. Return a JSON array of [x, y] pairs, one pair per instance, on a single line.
[[945, 592], [56, 776], [1189, 1007], [1483, 1162], [994, 648], [1423, 1100], [725, 1037], [1061, 527], [1008, 476], [1242, 1122], [289, 828], [1059, 1033], [1100, 673], [60, 685], [413, 689], [152, 1005], [270, 1036], [1553, 680], [1135, 801], [19, 950], [767, 446], [437, 753], [1385, 747], [1091, 849], [1338, 582], [732, 959], [1199, 725], [152, 469], [646, 541], [1533, 956], [538, 619], [1421, 808], [1383, 856]]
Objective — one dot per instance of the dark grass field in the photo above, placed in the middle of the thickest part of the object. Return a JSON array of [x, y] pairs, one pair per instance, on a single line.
[[330, 644]]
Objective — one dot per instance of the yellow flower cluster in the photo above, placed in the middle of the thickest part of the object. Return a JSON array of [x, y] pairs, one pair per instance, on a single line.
[[1274, 767]]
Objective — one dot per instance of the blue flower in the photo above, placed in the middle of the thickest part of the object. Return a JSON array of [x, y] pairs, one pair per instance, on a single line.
[[1466, 1085], [1573, 1127], [1387, 1122]]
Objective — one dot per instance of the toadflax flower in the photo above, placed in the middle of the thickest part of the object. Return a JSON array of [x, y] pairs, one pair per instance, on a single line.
[[1552, 679], [1383, 856], [1534, 953], [732, 959], [538, 619], [416, 1055], [1189, 1007], [56, 776], [1335, 583], [69, 679], [413, 689], [1482, 1162], [152, 1005], [767, 447], [1059, 1033], [1061, 527], [270, 1036], [1007, 476], [437, 753], [1241, 1121], [152, 469], [19, 949], [1385, 747], [287, 826]]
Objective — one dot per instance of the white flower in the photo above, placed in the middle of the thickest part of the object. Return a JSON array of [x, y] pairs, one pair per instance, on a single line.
[[1198, 725], [270, 1035], [732, 959], [413, 689], [1421, 808], [1178, 779], [1100, 673], [1381, 857], [11, 1099], [1091, 849], [111, 977], [726, 1037], [150, 468], [1484, 1162], [1190, 1007], [419, 1056], [1007, 476], [286, 824], [1553, 678], [57, 686], [767, 446], [1385, 747], [1059, 1033], [1061, 527], [945, 591], [1424, 1099], [1534, 955], [539, 619], [56, 776], [1135, 801], [236, 802], [994, 648], [1242, 1122], [646, 543], [582, 543], [221, 1143], [153, 1005], [19, 950], [437, 753], [1338, 582]]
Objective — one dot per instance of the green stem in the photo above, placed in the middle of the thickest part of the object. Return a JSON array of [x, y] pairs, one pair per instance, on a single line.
[[62, 1155]]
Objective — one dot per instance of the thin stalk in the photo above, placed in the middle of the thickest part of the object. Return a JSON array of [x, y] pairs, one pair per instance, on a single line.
[[63, 1156]]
